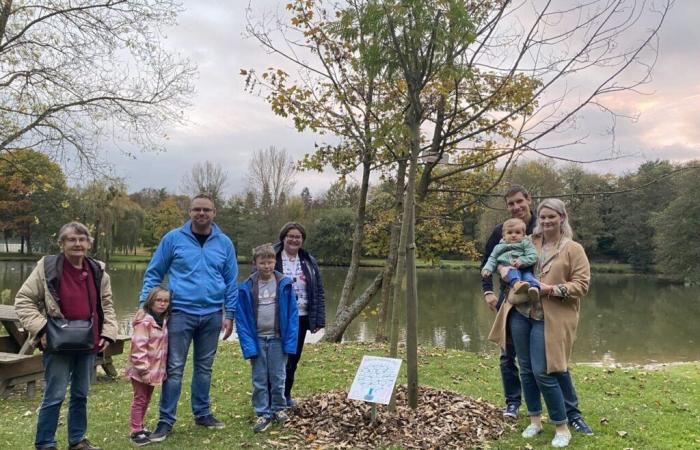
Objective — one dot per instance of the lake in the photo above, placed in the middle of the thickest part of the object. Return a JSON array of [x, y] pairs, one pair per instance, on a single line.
[[628, 319]]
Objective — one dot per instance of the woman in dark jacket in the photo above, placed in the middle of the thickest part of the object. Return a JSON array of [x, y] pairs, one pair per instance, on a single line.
[[301, 267]]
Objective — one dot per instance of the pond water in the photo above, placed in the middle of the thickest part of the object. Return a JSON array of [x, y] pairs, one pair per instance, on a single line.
[[623, 318]]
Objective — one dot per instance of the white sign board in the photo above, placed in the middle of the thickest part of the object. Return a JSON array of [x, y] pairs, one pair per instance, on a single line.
[[375, 379]]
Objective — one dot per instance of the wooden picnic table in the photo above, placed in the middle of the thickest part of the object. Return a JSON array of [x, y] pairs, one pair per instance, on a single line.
[[19, 364]]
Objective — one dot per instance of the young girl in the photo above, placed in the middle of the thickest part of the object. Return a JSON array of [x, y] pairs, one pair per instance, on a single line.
[[147, 359]]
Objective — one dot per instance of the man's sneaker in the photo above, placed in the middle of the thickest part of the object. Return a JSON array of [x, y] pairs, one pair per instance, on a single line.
[[209, 422], [83, 445], [280, 417], [262, 423], [162, 432], [139, 438], [581, 426], [511, 411]]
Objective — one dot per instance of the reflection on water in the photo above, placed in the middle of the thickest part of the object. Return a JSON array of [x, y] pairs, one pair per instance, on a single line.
[[623, 319]]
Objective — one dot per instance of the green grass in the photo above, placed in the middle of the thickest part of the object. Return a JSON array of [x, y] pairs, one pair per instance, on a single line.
[[627, 408]]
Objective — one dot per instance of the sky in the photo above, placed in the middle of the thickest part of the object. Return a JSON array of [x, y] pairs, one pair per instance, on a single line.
[[226, 125]]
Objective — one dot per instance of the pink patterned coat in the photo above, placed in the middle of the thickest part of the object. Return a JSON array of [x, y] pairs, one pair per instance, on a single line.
[[149, 350]]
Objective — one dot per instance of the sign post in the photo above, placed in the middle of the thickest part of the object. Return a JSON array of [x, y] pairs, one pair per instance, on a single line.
[[374, 381]]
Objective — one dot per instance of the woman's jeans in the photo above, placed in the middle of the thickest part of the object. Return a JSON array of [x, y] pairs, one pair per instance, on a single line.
[[528, 338], [268, 377], [59, 371], [183, 330]]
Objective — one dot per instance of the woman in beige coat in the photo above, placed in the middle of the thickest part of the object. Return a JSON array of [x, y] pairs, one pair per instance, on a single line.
[[73, 286], [544, 331]]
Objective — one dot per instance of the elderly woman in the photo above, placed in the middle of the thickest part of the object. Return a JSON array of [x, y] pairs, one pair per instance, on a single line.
[[301, 267], [544, 331], [75, 287]]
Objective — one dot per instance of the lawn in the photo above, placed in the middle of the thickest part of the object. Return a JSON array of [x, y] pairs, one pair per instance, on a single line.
[[627, 408]]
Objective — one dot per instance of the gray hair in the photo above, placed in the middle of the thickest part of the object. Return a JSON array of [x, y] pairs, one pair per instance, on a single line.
[[559, 207], [77, 228]]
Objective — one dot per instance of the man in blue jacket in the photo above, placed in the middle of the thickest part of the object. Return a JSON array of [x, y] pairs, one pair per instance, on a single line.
[[200, 262]]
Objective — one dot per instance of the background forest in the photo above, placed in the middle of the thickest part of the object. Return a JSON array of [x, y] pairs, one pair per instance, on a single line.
[[645, 218]]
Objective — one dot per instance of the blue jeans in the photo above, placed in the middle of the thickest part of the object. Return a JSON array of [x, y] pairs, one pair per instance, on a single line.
[[524, 274], [184, 329], [528, 338], [59, 371], [268, 377]]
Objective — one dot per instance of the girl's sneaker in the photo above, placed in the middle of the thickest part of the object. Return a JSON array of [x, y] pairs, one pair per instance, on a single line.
[[139, 438]]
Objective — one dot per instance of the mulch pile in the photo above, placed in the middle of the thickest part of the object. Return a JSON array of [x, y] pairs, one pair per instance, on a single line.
[[443, 419]]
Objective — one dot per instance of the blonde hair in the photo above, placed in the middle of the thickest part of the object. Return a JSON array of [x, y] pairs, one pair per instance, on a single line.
[[558, 207], [514, 223], [264, 251]]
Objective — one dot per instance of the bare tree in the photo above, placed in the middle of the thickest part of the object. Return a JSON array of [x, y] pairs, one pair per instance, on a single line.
[[74, 72], [208, 178], [271, 173]]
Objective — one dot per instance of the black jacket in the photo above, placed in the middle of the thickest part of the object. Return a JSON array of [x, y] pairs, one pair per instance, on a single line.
[[314, 286]]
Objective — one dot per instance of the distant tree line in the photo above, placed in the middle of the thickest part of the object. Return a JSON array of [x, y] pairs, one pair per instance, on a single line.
[[646, 218]]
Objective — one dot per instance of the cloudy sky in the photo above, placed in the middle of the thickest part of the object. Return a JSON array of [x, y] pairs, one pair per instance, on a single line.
[[226, 124]]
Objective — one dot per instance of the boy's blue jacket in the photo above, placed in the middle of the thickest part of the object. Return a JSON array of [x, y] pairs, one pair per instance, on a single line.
[[287, 315], [202, 278]]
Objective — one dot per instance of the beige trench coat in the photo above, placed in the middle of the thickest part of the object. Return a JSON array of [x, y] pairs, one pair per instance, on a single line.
[[568, 266], [34, 301]]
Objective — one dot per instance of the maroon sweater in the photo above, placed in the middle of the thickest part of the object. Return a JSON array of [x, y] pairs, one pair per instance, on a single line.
[[77, 287]]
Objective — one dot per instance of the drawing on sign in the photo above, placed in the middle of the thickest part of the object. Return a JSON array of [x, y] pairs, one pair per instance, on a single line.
[[375, 379]]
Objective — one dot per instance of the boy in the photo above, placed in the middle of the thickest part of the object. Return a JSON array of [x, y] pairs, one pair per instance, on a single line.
[[515, 255], [267, 323]]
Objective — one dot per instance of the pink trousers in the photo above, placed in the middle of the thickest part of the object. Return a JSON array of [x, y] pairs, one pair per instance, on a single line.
[[142, 397]]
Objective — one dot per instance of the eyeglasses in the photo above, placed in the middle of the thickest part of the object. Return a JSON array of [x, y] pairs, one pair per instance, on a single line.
[[293, 237], [73, 240], [204, 210]]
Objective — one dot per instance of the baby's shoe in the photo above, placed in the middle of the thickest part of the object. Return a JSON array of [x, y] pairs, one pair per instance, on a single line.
[[533, 294], [515, 298], [521, 287]]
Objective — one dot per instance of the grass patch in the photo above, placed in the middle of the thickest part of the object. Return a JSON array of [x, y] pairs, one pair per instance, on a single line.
[[627, 408]]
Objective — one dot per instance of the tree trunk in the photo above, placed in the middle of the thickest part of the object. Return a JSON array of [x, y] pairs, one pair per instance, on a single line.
[[357, 236], [21, 244], [29, 240], [5, 8], [411, 282], [399, 284], [390, 264], [334, 333]]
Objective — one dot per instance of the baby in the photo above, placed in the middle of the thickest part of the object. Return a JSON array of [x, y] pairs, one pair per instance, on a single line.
[[515, 256]]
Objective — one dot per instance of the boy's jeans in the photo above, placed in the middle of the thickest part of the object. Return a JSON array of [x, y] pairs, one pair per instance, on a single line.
[[524, 274], [268, 377], [184, 329], [59, 370]]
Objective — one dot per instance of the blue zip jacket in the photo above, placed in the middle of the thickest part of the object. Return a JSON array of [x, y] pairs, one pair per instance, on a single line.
[[246, 316], [202, 279]]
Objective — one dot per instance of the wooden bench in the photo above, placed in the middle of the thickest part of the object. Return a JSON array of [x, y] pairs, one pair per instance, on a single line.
[[19, 365]]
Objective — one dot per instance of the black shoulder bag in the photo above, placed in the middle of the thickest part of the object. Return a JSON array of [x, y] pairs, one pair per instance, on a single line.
[[70, 336]]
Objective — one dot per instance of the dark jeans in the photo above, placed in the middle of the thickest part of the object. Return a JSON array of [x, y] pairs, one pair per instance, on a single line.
[[293, 360], [183, 330], [59, 371]]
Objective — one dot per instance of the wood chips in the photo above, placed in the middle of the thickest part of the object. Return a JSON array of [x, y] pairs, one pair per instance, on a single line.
[[443, 420]]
